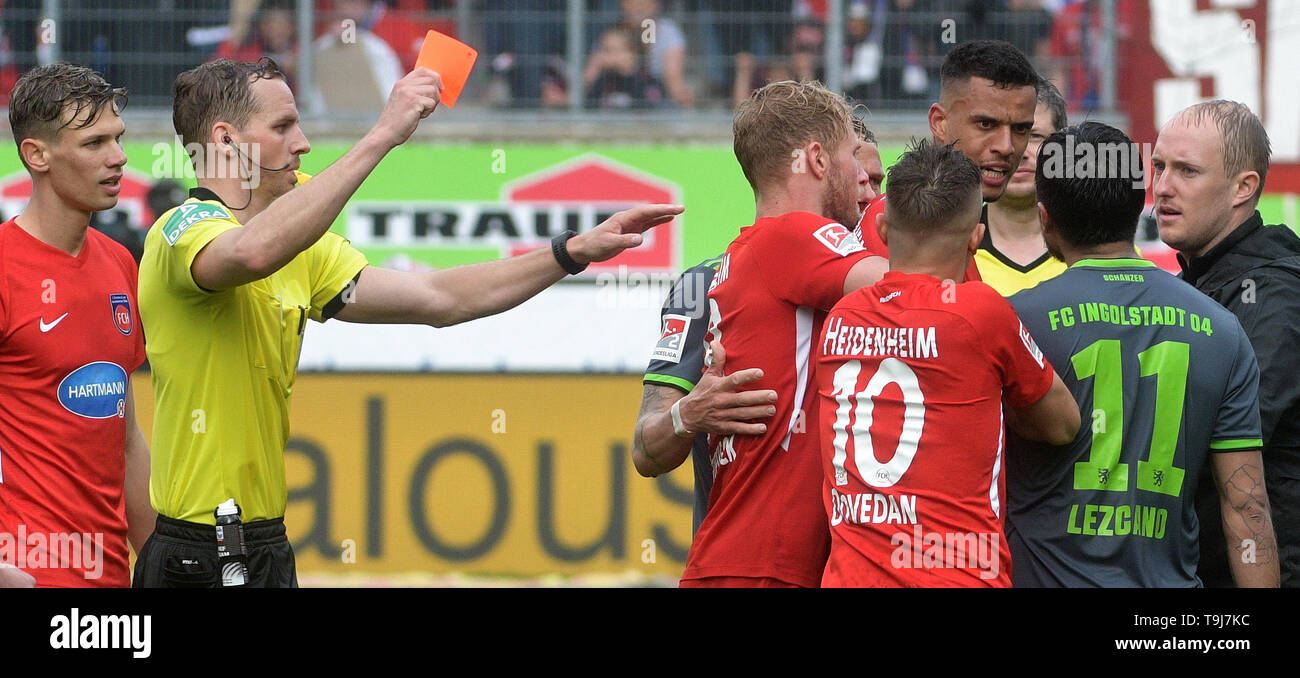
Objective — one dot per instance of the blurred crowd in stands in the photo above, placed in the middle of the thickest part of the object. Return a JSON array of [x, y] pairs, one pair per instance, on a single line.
[[637, 54]]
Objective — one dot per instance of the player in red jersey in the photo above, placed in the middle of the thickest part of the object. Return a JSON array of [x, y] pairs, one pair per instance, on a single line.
[[912, 387], [795, 142], [74, 466], [985, 110]]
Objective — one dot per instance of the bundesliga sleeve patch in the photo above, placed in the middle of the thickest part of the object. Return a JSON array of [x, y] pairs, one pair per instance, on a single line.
[[1030, 346], [673, 340], [838, 239], [187, 215]]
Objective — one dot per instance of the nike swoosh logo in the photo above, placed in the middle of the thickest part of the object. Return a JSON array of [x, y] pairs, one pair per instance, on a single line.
[[47, 328]]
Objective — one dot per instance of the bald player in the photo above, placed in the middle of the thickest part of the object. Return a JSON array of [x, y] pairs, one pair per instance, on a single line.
[[1210, 164]]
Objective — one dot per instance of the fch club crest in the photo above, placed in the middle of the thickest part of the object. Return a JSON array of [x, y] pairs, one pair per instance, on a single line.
[[121, 305]]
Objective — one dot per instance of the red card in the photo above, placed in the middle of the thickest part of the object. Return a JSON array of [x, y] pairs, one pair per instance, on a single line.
[[450, 58]]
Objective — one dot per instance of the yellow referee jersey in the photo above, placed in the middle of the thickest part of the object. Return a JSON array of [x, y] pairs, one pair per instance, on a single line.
[[1002, 273], [224, 363], [1006, 276]]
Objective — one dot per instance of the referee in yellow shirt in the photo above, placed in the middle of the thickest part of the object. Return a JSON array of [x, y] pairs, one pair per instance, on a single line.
[[230, 277], [1013, 256]]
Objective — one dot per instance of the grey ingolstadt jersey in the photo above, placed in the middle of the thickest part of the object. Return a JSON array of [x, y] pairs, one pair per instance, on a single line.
[[1164, 377]]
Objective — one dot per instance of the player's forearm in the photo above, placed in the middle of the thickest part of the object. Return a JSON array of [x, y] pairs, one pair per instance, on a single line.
[[656, 449], [474, 291], [1252, 549], [1247, 522], [140, 514], [1054, 419], [865, 273], [297, 219]]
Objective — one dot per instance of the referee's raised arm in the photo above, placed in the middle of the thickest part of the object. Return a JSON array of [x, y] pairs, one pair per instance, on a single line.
[[278, 223], [228, 280]]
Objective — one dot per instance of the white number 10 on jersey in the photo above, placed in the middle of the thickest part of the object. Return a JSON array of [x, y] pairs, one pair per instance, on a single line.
[[869, 470]]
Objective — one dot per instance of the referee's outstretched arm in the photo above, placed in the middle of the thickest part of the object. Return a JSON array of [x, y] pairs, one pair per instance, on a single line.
[[296, 220], [455, 295]]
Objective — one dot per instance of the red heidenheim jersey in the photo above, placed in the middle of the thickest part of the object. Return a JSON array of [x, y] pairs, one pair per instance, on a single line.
[[911, 376], [69, 339], [767, 302], [871, 242]]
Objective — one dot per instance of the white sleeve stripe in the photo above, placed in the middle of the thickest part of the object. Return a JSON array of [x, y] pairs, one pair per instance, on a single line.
[[803, 322], [994, 500]]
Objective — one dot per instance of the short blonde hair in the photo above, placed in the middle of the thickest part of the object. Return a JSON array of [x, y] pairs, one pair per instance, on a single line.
[[782, 117], [1245, 141]]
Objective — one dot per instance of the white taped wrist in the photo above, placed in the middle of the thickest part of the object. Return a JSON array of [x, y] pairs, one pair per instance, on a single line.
[[679, 428]]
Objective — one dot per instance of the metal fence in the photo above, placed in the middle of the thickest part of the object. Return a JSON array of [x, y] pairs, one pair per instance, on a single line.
[[568, 55]]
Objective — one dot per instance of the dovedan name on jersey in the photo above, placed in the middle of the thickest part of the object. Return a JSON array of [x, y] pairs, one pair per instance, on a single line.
[[855, 340], [870, 508]]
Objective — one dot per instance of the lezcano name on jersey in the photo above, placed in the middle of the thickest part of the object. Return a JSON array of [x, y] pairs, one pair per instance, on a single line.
[[1101, 520], [1100, 312]]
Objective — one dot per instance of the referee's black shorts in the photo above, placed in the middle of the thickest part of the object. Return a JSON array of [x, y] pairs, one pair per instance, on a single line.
[[181, 554]]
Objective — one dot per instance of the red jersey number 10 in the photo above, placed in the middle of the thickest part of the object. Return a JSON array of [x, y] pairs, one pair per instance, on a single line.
[[847, 398]]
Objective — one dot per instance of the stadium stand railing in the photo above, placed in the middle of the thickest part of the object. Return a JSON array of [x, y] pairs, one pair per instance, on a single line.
[[579, 58]]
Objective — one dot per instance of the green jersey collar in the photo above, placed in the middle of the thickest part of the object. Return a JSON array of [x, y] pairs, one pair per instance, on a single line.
[[1125, 262]]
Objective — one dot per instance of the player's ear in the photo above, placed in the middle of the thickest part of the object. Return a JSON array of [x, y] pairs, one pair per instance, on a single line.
[[818, 159], [36, 153], [1247, 184], [1044, 219], [881, 228], [976, 237], [1048, 226], [938, 122]]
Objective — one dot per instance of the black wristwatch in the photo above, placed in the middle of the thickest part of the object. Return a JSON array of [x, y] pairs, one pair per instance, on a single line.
[[560, 249]]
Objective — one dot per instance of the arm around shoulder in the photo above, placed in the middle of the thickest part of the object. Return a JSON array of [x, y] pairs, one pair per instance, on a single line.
[[1053, 419]]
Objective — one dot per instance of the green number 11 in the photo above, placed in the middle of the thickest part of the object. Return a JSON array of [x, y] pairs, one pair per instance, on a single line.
[[1167, 361]]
